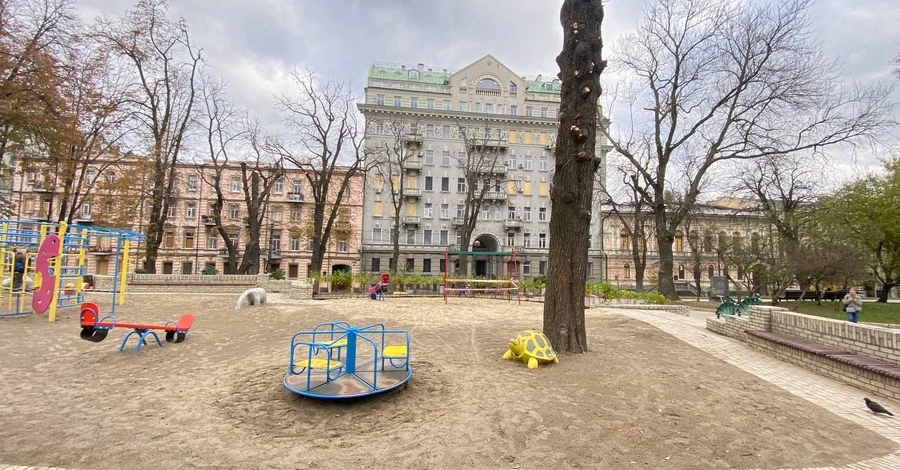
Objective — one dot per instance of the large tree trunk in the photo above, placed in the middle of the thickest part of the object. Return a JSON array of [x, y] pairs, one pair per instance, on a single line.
[[666, 259], [395, 239], [580, 66], [885, 290]]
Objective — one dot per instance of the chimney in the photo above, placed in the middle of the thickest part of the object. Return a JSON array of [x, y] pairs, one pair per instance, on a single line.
[[539, 77], [420, 67], [403, 67]]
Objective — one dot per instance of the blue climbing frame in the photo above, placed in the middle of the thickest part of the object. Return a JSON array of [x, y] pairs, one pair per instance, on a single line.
[[27, 235], [370, 365]]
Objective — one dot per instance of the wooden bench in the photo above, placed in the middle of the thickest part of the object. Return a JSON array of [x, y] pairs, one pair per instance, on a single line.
[[852, 359]]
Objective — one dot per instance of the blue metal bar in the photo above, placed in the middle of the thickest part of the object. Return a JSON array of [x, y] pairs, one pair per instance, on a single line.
[[115, 293]]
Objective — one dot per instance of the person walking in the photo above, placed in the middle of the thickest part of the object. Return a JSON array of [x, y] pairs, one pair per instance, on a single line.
[[852, 305]]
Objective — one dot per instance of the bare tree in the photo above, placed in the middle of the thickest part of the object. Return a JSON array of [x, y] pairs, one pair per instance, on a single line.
[[716, 80], [635, 217], [390, 162], [328, 148], [165, 67], [483, 167], [224, 127], [580, 64]]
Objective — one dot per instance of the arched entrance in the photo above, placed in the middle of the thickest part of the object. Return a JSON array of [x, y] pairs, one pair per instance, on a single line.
[[486, 266]]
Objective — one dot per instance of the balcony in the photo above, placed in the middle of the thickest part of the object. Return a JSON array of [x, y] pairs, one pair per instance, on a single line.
[[457, 221], [223, 253], [513, 224], [100, 250], [495, 196], [414, 165], [274, 254], [209, 221], [412, 192], [412, 138], [479, 141], [499, 168], [294, 197], [411, 220]]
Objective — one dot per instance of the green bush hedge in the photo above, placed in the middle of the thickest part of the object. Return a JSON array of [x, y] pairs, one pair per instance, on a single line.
[[611, 292]]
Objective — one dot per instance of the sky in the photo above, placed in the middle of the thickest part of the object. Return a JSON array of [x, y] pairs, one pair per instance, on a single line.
[[255, 44]]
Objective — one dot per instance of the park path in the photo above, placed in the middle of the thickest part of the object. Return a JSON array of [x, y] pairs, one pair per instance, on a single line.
[[834, 396]]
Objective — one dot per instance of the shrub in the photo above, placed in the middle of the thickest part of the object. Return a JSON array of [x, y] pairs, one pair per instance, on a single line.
[[140, 271], [209, 271], [277, 274], [340, 280]]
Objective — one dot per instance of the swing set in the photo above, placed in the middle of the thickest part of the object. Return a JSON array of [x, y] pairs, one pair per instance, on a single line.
[[502, 285]]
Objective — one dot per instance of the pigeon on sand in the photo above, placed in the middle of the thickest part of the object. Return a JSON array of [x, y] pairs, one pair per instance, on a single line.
[[876, 408]]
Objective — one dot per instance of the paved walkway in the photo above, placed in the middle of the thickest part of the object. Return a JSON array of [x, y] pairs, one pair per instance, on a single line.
[[834, 396]]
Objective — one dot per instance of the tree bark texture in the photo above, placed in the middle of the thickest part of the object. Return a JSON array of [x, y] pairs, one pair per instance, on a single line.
[[580, 64]]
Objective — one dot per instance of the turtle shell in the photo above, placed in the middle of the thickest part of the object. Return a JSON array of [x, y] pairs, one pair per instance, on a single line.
[[537, 345]]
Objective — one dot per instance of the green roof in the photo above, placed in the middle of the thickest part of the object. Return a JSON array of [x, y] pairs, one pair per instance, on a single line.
[[409, 75], [536, 86]]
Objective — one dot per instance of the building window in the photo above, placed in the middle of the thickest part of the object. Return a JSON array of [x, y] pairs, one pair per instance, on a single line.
[[754, 243], [410, 237], [192, 182], [212, 241], [379, 100], [429, 157], [426, 265], [542, 214], [296, 213], [277, 215], [234, 211], [459, 210], [627, 271], [342, 246], [190, 210], [680, 271], [445, 237], [396, 101], [526, 268], [513, 110], [527, 214], [511, 162], [477, 107], [710, 271], [543, 112], [442, 265], [410, 265], [529, 111], [414, 102], [279, 186], [171, 211], [447, 105], [429, 131], [169, 239], [296, 187], [86, 209], [188, 239], [294, 243], [445, 158], [429, 103], [511, 239], [489, 108], [679, 241], [527, 162], [511, 213], [624, 243], [512, 87], [543, 162], [460, 185], [542, 240], [426, 240], [445, 211], [89, 175], [542, 268], [376, 235], [235, 184], [526, 240], [429, 183], [445, 132], [463, 106], [111, 176], [445, 184], [499, 109], [376, 265]]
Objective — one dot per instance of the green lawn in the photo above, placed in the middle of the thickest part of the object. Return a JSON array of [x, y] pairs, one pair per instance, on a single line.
[[871, 312]]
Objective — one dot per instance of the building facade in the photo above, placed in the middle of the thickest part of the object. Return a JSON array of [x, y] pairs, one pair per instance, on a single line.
[[115, 195], [705, 239], [438, 115]]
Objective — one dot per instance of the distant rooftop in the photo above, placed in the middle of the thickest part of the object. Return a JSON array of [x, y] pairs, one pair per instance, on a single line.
[[422, 73]]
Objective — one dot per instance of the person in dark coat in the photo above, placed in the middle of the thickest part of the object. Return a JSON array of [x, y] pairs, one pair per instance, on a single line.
[[18, 270]]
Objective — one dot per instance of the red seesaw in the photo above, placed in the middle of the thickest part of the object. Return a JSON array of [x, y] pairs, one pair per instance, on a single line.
[[95, 329]]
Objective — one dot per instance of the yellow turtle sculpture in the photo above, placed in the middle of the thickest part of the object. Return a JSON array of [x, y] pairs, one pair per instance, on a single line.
[[532, 348]]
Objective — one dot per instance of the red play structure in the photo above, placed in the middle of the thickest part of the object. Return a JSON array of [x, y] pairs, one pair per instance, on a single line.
[[95, 329]]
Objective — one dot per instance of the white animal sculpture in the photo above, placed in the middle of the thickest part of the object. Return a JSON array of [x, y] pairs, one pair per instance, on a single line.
[[254, 296]]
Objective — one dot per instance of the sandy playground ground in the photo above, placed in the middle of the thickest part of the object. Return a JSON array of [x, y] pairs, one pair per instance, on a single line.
[[639, 399]]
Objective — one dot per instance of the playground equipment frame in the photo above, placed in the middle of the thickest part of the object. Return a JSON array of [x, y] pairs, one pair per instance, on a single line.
[[513, 280]]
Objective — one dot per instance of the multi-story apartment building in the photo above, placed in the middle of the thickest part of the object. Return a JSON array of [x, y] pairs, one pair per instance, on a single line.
[[435, 107], [704, 239], [115, 195]]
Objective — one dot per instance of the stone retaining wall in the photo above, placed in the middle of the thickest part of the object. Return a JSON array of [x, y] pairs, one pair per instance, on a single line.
[[864, 340], [206, 284]]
